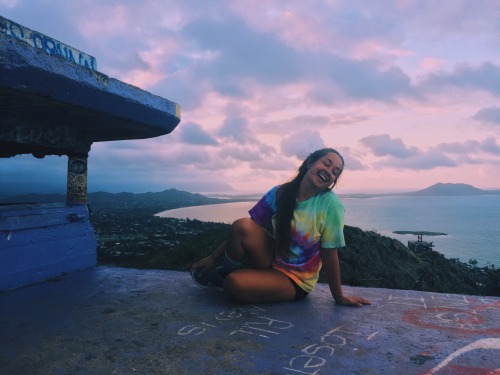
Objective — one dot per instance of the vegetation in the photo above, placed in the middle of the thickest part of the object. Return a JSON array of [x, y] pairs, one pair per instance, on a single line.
[[374, 260], [137, 239]]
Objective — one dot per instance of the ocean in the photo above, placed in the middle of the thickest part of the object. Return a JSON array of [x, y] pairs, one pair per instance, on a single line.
[[471, 223]]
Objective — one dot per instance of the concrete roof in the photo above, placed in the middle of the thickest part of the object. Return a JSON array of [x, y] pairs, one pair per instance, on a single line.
[[52, 105], [125, 321]]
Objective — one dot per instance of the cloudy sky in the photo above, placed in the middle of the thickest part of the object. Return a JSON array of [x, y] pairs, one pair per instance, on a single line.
[[407, 90]]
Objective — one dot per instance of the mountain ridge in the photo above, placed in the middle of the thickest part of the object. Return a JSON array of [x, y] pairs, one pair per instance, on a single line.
[[171, 196]]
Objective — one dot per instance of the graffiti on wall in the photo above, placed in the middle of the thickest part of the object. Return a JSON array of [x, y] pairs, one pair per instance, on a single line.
[[47, 44]]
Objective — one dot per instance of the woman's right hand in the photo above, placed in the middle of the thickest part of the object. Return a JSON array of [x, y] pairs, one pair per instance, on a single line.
[[204, 264]]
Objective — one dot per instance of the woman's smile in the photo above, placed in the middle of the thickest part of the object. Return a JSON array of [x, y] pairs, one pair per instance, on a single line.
[[323, 176]]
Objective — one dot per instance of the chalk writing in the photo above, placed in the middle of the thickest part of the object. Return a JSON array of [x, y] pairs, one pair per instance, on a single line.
[[264, 327], [314, 357], [47, 44], [410, 301], [255, 323], [445, 300], [237, 313]]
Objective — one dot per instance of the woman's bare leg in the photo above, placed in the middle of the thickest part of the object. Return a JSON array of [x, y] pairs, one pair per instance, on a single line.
[[261, 283], [248, 240], [259, 286]]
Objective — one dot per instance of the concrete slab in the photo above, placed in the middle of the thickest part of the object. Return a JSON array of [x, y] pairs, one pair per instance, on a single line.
[[125, 321]]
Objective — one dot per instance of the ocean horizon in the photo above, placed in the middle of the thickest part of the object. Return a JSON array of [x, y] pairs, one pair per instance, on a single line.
[[471, 223]]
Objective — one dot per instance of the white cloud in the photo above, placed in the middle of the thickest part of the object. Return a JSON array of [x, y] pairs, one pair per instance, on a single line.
[[302, 143], [194, 134], [236, 129], [384, 145]]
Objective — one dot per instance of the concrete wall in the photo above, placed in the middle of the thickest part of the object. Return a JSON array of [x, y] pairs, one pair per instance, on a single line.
[[38, 242]]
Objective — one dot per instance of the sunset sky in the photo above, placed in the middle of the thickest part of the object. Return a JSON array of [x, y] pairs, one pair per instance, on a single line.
[[408, 91]]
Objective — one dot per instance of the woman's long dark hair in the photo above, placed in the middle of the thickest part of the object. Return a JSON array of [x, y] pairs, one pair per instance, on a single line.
[[287, 199]]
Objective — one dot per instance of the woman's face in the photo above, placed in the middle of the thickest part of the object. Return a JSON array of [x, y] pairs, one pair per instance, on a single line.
[[325, 171]]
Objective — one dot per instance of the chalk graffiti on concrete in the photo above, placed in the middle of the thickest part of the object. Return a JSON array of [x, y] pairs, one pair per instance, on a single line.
[[454, 316], [254, 323], [313, 357]]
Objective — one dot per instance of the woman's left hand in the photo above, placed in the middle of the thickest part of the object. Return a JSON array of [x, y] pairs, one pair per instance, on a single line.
[[352, 301]]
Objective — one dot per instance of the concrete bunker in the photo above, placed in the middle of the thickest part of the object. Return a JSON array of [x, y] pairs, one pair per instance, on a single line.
[[53, 101]]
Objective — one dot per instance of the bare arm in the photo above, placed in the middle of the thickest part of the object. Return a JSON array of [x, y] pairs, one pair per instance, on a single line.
[[331, 266]]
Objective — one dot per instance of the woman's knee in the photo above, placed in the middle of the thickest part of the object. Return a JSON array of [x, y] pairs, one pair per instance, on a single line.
[[244, 226], [249, 239]]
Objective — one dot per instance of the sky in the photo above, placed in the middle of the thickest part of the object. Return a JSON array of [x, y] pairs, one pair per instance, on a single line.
[[407, 91]]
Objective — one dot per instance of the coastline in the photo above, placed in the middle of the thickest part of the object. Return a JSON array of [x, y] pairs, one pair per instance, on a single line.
[[401, 218]]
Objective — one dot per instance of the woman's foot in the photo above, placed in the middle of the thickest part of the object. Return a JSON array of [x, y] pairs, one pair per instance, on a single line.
[[213, 278]]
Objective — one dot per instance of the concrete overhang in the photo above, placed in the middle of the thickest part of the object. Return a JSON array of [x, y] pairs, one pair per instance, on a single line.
[[52, 106]]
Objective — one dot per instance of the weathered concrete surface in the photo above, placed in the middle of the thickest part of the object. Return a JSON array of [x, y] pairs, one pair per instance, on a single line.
[[51, 106], [123, 321]]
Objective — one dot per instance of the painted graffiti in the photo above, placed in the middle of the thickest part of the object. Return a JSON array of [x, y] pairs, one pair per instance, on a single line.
[[446, 368], [463, 315], [77, 180], [47, 44], [466, 319]]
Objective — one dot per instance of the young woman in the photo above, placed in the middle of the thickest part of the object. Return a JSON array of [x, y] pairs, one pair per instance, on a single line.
[[307, 220]]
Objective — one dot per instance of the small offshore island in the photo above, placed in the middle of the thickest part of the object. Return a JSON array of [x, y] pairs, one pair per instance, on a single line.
[[130, 235], [419, 233]]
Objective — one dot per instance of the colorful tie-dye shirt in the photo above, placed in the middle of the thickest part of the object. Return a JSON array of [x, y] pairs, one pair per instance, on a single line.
[[317, 223]]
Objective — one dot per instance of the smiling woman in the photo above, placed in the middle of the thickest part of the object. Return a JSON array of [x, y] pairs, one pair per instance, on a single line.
[[307, 221]]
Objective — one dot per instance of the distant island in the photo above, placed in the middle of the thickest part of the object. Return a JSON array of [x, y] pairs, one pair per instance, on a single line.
[[452, 189], [439, 189], [419, 233]]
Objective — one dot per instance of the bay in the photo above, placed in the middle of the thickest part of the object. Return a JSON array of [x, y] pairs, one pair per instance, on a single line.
[[471, 223]]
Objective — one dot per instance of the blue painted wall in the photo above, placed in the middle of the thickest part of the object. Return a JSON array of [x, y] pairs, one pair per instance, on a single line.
[[38, 242]]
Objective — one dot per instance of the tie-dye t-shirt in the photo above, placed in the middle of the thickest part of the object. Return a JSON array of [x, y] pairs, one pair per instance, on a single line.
[[317, 223]]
